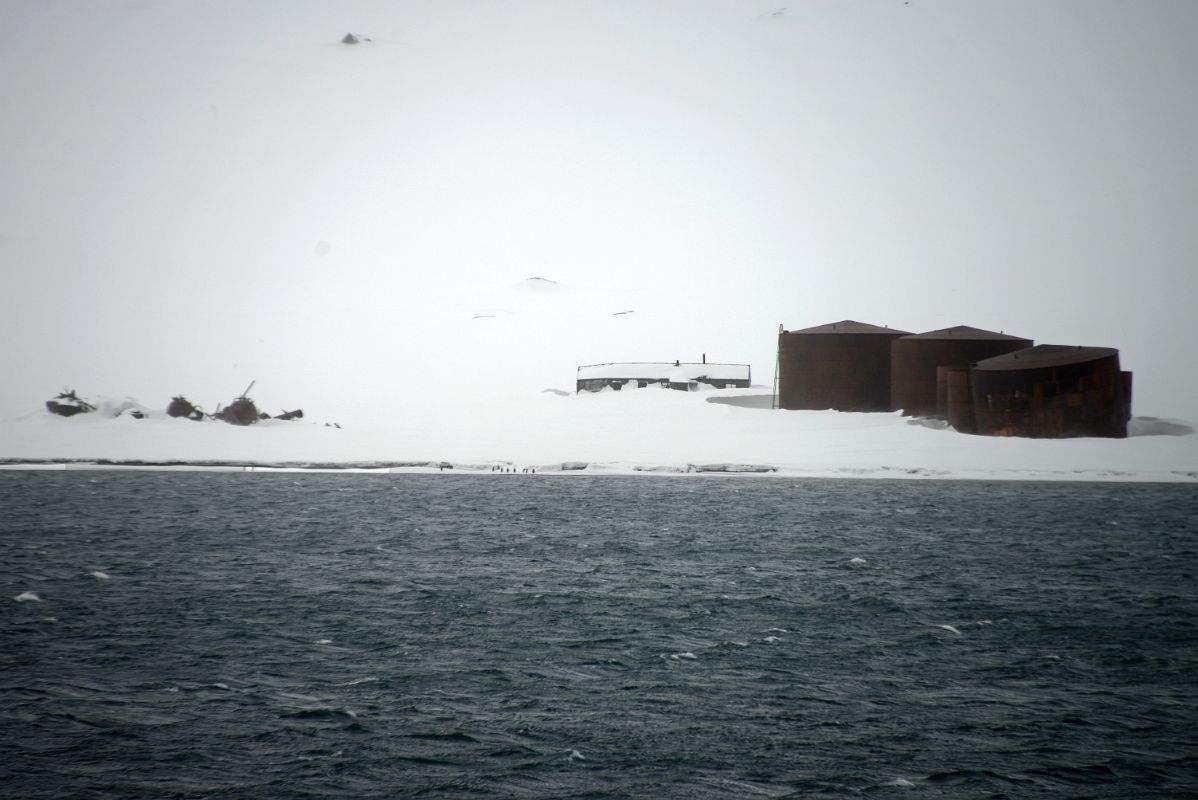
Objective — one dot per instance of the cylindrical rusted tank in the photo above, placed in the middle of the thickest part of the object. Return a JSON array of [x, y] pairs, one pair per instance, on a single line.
[[1051, 391], [842, 365], [914, 359], [958, 400], [942, 392], [1127, 396]]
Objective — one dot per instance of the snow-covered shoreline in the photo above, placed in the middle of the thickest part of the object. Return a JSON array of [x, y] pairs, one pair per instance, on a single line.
[[624, 470], [650, 432]]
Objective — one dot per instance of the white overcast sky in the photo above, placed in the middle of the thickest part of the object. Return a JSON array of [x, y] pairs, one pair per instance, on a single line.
[[196, 194]]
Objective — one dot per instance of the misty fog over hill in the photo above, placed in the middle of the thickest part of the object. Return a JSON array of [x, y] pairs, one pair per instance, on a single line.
[[200, 195]]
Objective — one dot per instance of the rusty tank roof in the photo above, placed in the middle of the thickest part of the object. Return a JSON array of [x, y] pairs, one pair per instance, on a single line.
[[1045, 355], [851, 326], [966, 333]]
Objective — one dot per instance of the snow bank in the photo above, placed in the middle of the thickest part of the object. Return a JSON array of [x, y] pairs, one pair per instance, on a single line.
[[646, 431]]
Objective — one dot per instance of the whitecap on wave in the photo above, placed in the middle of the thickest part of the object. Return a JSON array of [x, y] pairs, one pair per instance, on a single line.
[[356, 681], [28, 597]]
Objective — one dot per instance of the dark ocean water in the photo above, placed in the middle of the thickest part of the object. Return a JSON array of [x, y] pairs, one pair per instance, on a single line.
[[376, 636]]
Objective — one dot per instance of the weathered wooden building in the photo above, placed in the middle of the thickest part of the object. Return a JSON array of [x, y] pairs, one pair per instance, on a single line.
[[681, 375]]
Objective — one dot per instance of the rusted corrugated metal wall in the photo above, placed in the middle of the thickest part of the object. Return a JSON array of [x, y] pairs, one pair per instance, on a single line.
[[957, 407], [942, 392], [1051, 391], [843, 366], [1127, 396], [914, 360]]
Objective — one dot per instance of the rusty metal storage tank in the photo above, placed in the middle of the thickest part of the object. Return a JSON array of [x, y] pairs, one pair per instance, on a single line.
[[1051, 391], [914, 359], [843, 365], [1127, 396], [954, 399]]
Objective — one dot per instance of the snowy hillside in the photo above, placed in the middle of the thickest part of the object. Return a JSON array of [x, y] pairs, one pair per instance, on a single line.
[[650, 430]]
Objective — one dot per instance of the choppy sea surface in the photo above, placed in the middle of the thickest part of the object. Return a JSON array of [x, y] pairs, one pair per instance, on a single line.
[[195, 635]]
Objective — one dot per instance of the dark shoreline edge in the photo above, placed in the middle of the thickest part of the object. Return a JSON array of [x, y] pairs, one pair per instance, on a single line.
[[591, 469], [332, 466], [227, 463]]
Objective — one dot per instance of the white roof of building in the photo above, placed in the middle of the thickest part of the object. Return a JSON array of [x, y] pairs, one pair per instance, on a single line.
[[656, 371]]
